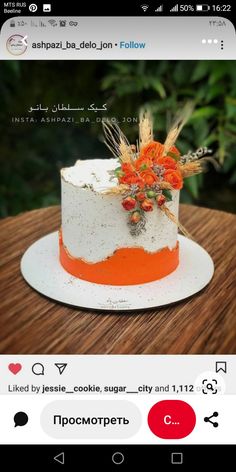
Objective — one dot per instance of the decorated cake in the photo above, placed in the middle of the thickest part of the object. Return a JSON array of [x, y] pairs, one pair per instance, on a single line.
[[120, 215]]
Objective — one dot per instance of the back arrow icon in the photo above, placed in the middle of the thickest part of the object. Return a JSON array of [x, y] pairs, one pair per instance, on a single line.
[[60, 458]]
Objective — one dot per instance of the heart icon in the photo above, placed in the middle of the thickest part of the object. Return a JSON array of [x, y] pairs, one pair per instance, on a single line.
[[15, 368]]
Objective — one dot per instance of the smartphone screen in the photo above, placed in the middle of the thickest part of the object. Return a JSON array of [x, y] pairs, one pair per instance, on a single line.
[[117, 235]]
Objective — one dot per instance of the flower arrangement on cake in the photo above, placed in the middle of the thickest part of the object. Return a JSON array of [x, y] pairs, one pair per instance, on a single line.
[[143, 181], [150, 171]]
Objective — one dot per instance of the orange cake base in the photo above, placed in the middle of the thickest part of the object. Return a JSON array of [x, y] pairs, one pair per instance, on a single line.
[[127, 266]]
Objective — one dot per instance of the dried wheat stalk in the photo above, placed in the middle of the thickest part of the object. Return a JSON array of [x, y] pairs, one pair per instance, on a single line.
[[122, 188], [172, 217], [119, 189], [177, 126], [145, 128], [164, 185], [117, 142], [191, 168]]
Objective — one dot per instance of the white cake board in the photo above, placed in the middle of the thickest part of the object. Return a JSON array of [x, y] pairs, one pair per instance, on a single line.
[[42, 270]]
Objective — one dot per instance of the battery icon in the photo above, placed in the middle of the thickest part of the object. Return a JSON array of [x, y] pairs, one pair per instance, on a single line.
[[203, 7]]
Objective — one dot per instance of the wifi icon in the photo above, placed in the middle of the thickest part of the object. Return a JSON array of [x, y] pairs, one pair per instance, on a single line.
[[52, 22], [144, 7]]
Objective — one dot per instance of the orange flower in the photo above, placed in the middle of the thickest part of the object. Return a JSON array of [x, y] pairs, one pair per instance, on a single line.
[[129, 176], [140, 196], [147, 205], [161, 200], [143, 161], [129, 203], [149, 177], [127, 168], [174, 150], [130, 179], [152, 150], [167, 162], [174, 178], [135, 217]]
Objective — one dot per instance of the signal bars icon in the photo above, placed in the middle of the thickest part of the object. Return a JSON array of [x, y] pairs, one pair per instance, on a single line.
[[160, 8], [175, 8], [144, 7]]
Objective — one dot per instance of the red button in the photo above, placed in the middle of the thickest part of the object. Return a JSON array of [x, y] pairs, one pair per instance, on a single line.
[[171, 419]]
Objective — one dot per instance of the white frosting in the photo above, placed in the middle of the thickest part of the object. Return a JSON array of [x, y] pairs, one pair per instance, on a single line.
[[94, 225], [94, 173]]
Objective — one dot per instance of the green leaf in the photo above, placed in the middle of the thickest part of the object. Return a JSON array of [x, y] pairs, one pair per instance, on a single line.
[[15, 67], [204, 112], [201, 70], [219, 72], [192, 184], [212, 138], [230, 163], [186, 197], [109, 81], [168, 195], [157, 85], [143, 167], [213, 92], [118, 172]]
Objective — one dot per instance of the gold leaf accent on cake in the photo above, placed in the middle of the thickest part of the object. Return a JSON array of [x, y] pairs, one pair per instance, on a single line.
[[111, 255]]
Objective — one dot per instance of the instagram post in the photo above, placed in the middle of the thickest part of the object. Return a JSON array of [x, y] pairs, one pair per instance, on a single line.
[[117, 214], [117, 218]]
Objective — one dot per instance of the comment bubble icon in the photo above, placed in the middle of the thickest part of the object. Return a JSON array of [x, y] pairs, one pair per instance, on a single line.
[[21, 419]]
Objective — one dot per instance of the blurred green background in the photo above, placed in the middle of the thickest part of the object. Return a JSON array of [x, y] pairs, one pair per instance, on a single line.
[[31, 154]]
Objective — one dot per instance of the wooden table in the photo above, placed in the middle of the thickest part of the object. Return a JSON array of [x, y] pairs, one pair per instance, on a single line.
[[204, 324]]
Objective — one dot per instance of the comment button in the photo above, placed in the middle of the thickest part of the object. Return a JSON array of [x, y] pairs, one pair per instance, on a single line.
[[91, 419]]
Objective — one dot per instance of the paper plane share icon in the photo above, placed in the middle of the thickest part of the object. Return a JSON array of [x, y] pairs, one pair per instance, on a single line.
[[61, 367]]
